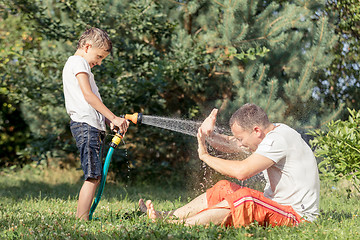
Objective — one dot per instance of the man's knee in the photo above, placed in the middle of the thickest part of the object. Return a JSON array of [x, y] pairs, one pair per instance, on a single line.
[[222, 184], [226, 185], [243, 195]]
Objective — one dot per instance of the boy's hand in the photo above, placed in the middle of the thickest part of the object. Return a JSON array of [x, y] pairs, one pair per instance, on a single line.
[[113, 127], [207, 127], [121, 123]]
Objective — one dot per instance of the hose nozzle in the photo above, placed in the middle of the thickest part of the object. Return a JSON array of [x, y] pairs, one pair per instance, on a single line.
[[135, 118]]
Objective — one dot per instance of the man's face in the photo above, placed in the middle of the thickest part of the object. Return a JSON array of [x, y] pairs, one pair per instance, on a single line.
[[247, 138], [94, 55]]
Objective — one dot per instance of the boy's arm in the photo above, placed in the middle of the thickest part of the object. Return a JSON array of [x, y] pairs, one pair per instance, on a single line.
[[97, 104]]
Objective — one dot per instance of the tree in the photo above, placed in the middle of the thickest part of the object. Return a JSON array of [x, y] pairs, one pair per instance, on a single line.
[[133, 80], [14, 132], [170, 58], [340, 83], [282, 81], [268, 53]]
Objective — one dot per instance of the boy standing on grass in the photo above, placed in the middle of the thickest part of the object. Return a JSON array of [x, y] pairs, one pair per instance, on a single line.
[[87, 112]]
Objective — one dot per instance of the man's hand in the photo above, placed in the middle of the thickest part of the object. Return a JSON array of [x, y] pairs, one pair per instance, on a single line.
[[202, 151], [207, 127]]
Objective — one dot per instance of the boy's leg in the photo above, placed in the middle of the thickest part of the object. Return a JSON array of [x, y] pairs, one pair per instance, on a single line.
[[88, 140], [86, 197]]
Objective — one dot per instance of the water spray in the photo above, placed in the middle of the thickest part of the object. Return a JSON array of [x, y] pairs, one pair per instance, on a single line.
[[178, 125], [173, 124]]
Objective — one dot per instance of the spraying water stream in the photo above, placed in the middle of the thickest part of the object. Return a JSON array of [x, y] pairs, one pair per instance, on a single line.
[[178, 125], [190, 127]]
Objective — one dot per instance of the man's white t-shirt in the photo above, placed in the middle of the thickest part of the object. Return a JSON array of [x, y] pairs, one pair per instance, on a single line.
[[76, 105], [293, 179]]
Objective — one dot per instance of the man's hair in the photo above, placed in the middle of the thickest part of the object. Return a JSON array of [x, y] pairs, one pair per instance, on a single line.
[[249, 116], [97, 37]]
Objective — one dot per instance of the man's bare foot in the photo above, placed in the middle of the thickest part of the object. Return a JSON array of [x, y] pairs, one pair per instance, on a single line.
[[152, 214], [142, 206], [148, 208]]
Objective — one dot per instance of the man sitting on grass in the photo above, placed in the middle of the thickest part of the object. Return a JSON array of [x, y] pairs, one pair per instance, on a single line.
[[291, 194]]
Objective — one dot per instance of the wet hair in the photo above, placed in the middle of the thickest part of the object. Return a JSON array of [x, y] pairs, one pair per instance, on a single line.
[[97, 37], [249, 116]]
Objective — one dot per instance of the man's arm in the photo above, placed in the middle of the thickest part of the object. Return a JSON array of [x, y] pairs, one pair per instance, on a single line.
[[221, 142], [224, 143], [241, 170]]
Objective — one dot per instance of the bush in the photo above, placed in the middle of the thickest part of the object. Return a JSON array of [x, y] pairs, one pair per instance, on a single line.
[[339, 149]]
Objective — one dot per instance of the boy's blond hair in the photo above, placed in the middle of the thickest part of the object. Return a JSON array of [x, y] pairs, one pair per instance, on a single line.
[[97, 37]]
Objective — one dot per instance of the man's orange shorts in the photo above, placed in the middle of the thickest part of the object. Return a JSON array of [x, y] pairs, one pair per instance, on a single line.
[[248, 205]]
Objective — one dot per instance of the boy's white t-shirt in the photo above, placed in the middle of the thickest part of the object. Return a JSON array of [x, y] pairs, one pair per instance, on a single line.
[[293, 179], [76, 105]]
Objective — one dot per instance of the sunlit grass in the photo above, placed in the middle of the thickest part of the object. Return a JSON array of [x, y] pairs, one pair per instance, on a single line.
[[40, 204]]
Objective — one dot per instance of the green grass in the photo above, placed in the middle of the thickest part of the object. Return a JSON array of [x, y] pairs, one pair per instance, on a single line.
[[38, 204]]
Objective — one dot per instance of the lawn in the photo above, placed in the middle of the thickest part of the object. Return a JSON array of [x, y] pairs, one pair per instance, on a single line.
[[40, 204]]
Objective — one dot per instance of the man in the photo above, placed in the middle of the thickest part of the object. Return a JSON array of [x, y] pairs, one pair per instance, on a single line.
[[292, 188]]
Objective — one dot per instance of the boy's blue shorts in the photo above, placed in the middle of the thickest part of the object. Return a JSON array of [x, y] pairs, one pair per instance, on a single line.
[[88, 141]]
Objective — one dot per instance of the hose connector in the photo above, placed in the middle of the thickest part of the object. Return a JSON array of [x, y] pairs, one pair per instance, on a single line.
[[116, 140], [136, 118]]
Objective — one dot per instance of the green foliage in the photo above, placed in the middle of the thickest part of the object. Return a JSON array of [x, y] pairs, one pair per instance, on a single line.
[[340, 82], [339, 149], [156, 68], [14, 132], [170, 58], [283, 81]]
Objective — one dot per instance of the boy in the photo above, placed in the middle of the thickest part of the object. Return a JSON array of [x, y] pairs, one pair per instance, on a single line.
[[87, 112], [291, 194]]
